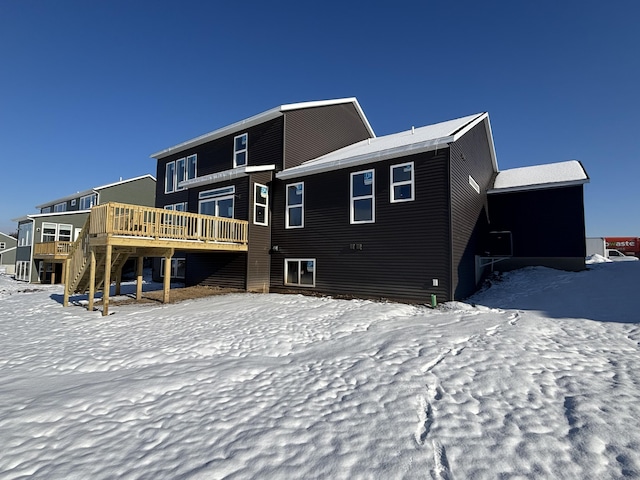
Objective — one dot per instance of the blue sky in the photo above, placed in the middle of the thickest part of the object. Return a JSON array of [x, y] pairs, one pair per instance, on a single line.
[[89, 89]]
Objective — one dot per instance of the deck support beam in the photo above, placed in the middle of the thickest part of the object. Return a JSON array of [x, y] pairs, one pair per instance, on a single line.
[[139, 268], [106, 287], [92, 279], [65, 300], [167, 275]]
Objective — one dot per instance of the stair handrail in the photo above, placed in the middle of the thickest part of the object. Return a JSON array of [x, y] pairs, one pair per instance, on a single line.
[[77, 255]]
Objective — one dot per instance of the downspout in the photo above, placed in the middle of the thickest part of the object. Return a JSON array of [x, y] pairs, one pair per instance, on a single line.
[[32, 248]]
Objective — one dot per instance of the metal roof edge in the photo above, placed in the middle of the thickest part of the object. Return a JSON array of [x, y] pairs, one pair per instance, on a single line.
[[259, 118], [371, 157], [538, 186]]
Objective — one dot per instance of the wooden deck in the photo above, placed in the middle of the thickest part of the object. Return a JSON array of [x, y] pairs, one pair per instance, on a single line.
[[52, 251], [115, 232]]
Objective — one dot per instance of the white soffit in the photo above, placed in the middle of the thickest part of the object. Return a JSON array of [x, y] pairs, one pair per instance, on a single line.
[[225, 175]]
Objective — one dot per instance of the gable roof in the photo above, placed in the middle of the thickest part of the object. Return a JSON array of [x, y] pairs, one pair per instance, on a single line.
[[416, 140], [560, 174], [94, 190], [258, 119]]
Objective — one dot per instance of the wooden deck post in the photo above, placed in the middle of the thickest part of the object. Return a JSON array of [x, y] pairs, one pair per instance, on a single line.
[[167, 275], [139, 267], [107, 281], [53, 273], [92, 279], [65, 300], [64, 272], [118, 280]]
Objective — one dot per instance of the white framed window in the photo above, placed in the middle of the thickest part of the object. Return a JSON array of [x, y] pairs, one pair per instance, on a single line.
[[23, 270], [295, 206], [45, 210], [178, 207], [240, 150], [170, 177], [260, 204], [177, 267], [25, 232], [64, 232], [88, 201], [218, 202], [300, 272], [363, 206], [49, 232], [178, 171], [60, 207], [3, 245], [401, 186]]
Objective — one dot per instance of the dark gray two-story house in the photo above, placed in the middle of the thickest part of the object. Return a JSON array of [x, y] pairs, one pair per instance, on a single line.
[[333, 209]]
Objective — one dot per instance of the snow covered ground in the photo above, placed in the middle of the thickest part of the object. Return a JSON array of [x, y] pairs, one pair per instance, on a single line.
[[536, 377]]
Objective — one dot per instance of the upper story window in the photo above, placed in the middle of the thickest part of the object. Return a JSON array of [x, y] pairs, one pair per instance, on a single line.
[[402, 183], [3, 245], [295, 205], [240, 150], [49, 231], [363, 207], [53, 232], [179, 171], [60, 207], [45, 210], [88, 201], [25, 231], [218, 202], [260, 204]]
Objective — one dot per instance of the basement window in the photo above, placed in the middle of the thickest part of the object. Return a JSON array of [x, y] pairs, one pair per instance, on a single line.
[[300, 272], [177, 267]]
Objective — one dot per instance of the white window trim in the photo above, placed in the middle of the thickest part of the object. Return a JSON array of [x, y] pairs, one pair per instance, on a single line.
[[45, 210], [82, 205], [222, 194], [23, 270], [176, 207], [288, 207], [244, 150], [174, 267], [3, 245], [372, 196], [300, 260], [183, 165], [173, 177], [63, 206], [265, 205], [393, 184]]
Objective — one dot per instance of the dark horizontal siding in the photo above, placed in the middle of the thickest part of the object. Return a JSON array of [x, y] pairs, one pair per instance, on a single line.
[[258, 257], [218, 269], [265, 147], [401, 253], [312, 132], [470, 156], [543, 223]]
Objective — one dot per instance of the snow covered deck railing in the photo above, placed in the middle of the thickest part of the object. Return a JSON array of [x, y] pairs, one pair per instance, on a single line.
[[157, 223]]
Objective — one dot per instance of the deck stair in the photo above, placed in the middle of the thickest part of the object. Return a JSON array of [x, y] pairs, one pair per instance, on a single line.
[[115, 232]]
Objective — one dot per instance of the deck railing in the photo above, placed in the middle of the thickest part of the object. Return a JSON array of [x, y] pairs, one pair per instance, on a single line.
[[52, 249], [139, 221]]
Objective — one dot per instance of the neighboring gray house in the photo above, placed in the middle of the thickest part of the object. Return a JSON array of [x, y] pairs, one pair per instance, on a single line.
[[8, 246], [44, 238]]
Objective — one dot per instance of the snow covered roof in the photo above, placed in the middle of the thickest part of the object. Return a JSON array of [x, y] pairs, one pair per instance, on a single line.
[[416, 140], [261, 118], [560, 174], [95, 189]]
